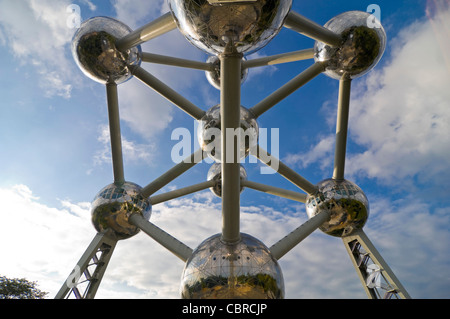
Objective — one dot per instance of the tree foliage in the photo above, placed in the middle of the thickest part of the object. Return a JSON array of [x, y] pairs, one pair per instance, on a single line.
[[19, 289]]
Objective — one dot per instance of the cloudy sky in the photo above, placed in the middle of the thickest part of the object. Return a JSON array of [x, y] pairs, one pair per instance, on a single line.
[[55, 152]]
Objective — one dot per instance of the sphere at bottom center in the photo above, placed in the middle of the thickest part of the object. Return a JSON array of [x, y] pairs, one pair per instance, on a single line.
[[244, 270]]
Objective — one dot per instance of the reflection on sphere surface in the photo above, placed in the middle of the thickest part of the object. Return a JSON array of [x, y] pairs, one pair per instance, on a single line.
[[114, 204], [210, 138], [361, 47], [248, 25], [215, 173], [245, 270], [346, 202], [95, 52], [213, 76]]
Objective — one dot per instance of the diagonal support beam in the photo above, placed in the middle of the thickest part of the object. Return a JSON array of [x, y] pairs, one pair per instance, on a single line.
[[150, 31], [96, 256], [173, 173], [300, 24], [342, 128], [115, 134], [184, 63], [170, 243], [283, 246], [289, 88], [295, 196], [285, 171], [279, 58], [157, 199], [362, 251], [167, 92]]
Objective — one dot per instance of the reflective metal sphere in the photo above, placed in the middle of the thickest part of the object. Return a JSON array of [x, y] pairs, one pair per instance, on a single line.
[[361, 48], [210, 138], [214, 76], [114, 204], [347, 203], [246, 270], [248, 25], [94, 50], [215, 173]]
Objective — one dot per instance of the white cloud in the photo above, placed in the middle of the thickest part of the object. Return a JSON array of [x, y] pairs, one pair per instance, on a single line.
[[36, 32], [400, 113], [132, 151], [88, 3], [43, 243], [322, 153], [40, 241], [132, 13]]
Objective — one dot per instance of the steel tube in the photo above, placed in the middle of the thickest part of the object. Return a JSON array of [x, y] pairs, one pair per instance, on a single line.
[[283, 246], [230, 99], [184, 63], [285, 171], [300, 24], [173, 173], [115, 134], [156, 199], [164, 239], [295, 196], [168, 92], [151, 30], [280, 58], [288, 88], [342, 128]]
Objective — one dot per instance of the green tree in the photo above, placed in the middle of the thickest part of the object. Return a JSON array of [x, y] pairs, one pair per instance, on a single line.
[[19, 289]]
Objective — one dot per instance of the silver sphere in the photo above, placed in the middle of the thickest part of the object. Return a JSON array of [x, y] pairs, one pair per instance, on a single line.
[[95, 52], [214, 76], [247, 25], [114, 204], [215, 173], [210, 138], [347, 203], [245, 270], [361, 48]]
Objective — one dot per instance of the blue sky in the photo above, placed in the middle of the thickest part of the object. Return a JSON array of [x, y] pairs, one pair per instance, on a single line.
[[55, 151]]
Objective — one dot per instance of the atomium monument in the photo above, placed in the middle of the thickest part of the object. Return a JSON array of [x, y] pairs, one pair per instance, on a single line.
[[230, 264]]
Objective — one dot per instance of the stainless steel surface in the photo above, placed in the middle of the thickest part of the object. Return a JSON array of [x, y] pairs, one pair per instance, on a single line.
[[244, 270], [94, 50], [213, 76], [360, 50], [209, 133], [114, 204], [346, 202], [249, 25], [215, 174]]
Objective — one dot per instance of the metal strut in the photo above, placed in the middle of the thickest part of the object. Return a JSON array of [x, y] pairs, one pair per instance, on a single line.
[[85, 278], [377, 278]]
